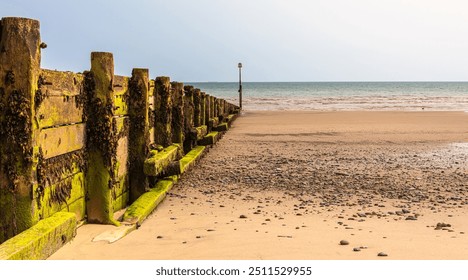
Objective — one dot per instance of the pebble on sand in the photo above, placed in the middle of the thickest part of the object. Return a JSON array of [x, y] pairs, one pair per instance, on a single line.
[[242, 217], [382, 254], [344, 242]]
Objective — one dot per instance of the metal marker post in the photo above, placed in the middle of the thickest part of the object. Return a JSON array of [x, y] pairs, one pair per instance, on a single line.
[[240, 84]]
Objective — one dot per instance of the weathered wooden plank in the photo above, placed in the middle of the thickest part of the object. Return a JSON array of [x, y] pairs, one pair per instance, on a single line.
[[58, 83], [60, 140], [156, 164], [58, 110], [210, 139], [151, 103], [201, 131], [120, 105], [151, 88], [121, 201], [121, 124], [62, 194], [151, 134], [120, 95], [122, 156]]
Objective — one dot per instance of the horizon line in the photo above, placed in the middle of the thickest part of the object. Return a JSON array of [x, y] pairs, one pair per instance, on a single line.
[[337, 81]]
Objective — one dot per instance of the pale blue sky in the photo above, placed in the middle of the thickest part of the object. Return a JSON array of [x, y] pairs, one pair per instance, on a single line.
[[276, 40]]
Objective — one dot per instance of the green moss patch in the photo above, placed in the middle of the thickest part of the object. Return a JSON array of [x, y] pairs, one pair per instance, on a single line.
[[146, 203], [156, 165], [190, 158], [201, 131], [221, 127], [210, 138], [41, 240]]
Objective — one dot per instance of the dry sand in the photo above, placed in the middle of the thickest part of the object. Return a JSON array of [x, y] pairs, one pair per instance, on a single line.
[[292, 185]]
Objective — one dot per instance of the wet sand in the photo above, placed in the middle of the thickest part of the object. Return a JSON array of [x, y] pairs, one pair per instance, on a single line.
[[292, 185]]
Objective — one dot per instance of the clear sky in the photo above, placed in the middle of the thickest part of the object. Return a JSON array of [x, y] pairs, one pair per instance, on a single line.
[[276, 40]]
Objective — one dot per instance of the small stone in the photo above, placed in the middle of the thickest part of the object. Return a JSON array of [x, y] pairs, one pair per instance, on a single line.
[[382, 254], [356, 249], [159, 237], [411, 218], [344, 242], [242, 217]]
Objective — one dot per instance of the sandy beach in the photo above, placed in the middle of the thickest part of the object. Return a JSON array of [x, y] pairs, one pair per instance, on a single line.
[[293, 185]]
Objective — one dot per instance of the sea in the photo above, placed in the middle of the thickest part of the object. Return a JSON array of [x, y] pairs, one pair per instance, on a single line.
[[339, 96]]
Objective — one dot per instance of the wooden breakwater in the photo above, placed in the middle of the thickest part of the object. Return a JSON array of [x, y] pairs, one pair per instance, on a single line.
[[89, 143]]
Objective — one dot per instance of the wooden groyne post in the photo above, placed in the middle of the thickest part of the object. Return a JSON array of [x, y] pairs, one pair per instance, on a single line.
[[81, 146], [20, 59], [101, 131]]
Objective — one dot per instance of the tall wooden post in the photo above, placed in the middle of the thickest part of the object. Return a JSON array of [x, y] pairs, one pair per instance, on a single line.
[[203, 120], [190, 138], [177, 112], [208, 111], [138, 107], [20, 59], [197, 107], [101, 133], [163, 111]]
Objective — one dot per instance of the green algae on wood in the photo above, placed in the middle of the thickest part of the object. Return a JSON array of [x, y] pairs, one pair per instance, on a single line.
[[139, 137], [210, 139], [41, 240], [201, 131], [163, 111], [191, 157], [102, 138], [19, 71], [177, 112], [146, 203], [222, 127], [157, 164]]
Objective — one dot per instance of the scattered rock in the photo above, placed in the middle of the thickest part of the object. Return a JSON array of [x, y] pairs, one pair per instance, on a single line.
[[356, 249], [382, 254], [344, 242], [242, 217], [443, 226], [159, 237]]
